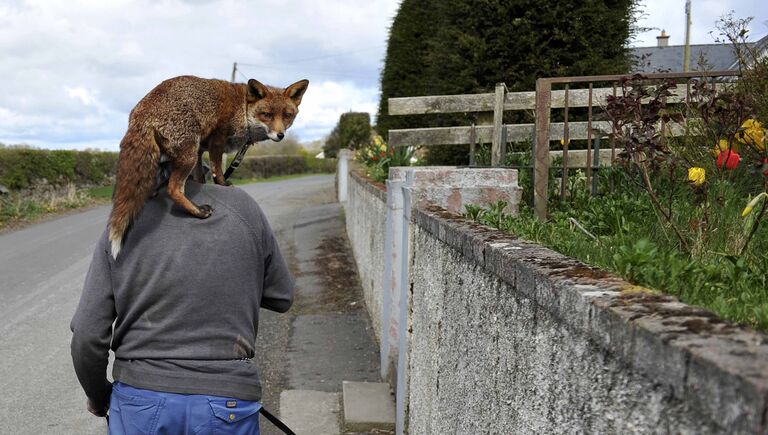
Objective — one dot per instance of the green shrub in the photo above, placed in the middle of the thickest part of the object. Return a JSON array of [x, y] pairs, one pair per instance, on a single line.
[[352, 131], [273, 166], [22, 168]]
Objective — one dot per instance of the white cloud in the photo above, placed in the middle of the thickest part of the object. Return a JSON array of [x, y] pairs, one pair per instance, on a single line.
[[325, 101], [82, 94]]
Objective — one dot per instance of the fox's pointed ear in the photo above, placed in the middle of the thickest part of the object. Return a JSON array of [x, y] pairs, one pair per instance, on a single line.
[[296, 91], [256, 90]]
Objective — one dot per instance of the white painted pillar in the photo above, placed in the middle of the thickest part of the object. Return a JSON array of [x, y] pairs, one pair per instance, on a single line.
[[342, 172], [401, 385], [393, 240]]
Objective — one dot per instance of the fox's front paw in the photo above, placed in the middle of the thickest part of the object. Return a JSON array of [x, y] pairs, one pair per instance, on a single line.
[[205, 211], [222, 182]]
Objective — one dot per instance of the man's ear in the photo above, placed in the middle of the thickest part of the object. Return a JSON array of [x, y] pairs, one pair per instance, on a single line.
[[296, 91], [256, 91]]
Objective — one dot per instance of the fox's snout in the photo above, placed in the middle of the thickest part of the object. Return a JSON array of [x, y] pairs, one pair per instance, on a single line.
[[275, 136]]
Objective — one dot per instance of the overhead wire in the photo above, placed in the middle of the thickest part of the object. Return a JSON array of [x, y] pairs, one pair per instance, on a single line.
[[309, 59], [321, 73]]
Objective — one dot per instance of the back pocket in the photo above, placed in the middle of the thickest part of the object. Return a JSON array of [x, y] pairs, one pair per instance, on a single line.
[[131, 414], [235, 416]]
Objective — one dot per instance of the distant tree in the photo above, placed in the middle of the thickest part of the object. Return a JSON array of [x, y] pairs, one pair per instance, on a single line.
[[332, 143], [352, 131], [466, 46]]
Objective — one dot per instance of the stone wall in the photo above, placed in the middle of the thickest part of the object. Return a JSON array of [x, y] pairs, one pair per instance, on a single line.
[[365, 216], [510, 337], [498, 335]]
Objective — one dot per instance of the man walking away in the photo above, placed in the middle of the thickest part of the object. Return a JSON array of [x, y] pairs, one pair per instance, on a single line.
[[184, 297]]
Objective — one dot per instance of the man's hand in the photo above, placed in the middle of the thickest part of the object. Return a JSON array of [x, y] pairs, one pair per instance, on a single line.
[[95, 411]]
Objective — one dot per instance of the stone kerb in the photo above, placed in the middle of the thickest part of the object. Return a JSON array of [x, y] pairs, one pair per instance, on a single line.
[[710, 369]]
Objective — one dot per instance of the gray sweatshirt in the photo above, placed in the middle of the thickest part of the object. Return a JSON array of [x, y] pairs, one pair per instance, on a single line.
[[180, 305]]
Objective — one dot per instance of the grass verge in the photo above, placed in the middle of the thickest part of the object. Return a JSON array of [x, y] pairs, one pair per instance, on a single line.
[[17, 210]]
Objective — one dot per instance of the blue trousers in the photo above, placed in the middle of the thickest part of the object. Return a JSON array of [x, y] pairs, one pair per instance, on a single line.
[[135, 411]]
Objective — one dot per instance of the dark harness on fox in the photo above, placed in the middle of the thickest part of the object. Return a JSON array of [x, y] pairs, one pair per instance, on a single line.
[[238, 158]]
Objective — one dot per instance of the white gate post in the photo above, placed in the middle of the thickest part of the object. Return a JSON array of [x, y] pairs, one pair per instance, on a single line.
[[342, 172]]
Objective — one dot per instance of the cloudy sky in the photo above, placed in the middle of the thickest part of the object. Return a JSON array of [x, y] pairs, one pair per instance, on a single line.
[[70, 71]]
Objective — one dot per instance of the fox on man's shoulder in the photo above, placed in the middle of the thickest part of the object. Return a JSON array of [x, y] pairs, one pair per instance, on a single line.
[[180, 119]]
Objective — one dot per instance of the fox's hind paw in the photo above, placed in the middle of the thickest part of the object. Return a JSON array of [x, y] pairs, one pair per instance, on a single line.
[[205, 211]]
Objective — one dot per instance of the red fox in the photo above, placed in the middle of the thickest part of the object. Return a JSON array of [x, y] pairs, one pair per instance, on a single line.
[[177, 121]]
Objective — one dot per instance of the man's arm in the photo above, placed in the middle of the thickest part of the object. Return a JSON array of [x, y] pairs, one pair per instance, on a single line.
[[278, 281], [92, 329]]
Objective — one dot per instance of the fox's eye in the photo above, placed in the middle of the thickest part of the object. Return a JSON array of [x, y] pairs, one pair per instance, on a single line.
[[288, 114], [266, 115]]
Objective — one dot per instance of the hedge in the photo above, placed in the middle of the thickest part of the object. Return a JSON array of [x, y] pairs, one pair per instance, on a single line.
[[272, 166], [21, 168]]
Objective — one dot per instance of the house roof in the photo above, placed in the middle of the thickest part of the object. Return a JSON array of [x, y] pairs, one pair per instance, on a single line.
[[717, 57]]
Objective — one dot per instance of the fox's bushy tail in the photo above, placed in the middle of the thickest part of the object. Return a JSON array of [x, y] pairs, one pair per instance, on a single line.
[[136, 172]]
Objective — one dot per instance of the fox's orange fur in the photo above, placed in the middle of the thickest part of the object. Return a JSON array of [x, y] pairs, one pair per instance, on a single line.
[[179, 119]]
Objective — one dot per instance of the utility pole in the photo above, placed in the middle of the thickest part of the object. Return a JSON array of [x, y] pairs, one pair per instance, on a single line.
[[234, 70], [687, 48]]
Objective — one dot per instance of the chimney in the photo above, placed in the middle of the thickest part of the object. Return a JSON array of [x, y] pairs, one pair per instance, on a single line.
[[663, 39]]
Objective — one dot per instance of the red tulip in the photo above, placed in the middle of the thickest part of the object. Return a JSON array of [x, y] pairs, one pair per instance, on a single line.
[[730, 159]]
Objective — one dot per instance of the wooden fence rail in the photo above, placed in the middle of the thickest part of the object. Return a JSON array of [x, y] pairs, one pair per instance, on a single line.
[[542, 132], [512, 101]]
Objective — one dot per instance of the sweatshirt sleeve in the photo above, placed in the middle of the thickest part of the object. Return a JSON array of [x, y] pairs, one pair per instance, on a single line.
[[92, 328], [278, 281], [278, 285]]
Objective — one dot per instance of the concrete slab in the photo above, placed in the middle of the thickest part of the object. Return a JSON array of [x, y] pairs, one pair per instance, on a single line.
[[368, 406], [325, 349], [310, 412]]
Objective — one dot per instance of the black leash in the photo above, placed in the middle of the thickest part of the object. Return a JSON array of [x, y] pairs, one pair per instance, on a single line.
[[276, 421], [238, 159]]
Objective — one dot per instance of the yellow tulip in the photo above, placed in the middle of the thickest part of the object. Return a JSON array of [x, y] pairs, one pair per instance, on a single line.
[[696, 176], [752, 134], [722, 146]]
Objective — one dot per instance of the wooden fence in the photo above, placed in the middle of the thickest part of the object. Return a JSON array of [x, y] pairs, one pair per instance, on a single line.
[[541, 132]]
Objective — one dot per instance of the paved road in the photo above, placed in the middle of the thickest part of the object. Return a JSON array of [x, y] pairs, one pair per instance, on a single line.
[[41, 273]]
